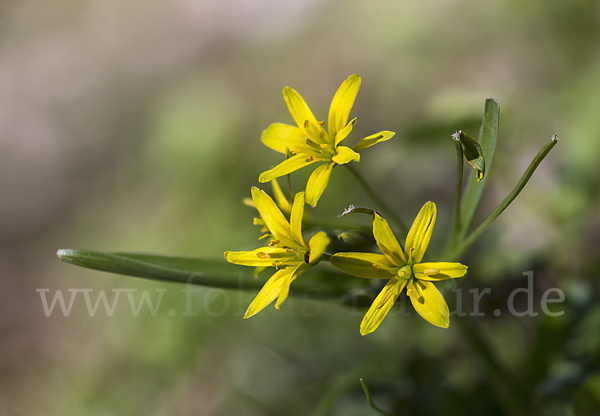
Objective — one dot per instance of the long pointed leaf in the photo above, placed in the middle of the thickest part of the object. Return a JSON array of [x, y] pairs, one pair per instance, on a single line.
[[201, 271], [487, 139]]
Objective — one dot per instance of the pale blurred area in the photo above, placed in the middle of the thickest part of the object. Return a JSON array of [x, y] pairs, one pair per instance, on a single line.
[[135, 126]]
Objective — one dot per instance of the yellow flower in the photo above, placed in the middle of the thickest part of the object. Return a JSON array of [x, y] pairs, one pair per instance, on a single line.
[[309, 142], [287, 251], [403, 269]]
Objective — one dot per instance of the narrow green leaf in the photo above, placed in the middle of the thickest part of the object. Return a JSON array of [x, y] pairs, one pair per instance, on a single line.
[[370, 400], [487, 140], [201, 271]]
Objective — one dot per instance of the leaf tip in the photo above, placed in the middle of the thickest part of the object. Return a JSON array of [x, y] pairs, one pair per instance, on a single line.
[[62, 252]]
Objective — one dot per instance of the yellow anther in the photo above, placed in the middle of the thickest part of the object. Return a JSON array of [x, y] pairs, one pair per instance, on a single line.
[[375, 267], [431, 272], [261, 255], [400, 273], [408, 292], [320, 123], [306, 124], [323, 145], [264, 236]]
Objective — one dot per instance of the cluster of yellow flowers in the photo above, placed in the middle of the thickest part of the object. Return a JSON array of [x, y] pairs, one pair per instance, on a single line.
[[291, 255]]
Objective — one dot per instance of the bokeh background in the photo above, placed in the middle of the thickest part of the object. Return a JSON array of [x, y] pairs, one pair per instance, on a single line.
[[135, 125]]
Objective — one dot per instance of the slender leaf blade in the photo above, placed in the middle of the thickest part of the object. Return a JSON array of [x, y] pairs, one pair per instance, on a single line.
[[200, 271], [488, 136]]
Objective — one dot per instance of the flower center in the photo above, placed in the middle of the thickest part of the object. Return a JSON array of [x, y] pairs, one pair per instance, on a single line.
[[405, 272]]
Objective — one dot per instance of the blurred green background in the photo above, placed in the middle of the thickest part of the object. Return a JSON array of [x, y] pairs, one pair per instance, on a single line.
[[135, 126]]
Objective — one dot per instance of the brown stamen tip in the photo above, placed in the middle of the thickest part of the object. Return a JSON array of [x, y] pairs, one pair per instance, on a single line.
[[274, 242], [320, 123], [261, 255], [306, 124], [375, 267]]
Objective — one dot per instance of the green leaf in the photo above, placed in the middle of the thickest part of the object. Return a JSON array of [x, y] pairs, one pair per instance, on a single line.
[[487, 141], [201, 271], [471, 150]]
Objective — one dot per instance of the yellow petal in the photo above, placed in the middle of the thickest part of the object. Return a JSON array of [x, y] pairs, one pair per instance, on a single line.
[[296, 218], [367, 265], [387, 241], [269, 291], [369, 141], [317, 245], [304, 117], [280, 199], [288, 166], [420, 232], [263, 257], [379, 309], [273, 218], [439, 271], [317, 183], [429, 303], [285, 286], [342, 104], [343, 133], [345, 155], [281, 137]]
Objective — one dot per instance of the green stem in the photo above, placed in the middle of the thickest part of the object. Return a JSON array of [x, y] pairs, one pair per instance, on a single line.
[[457, 194], [509, 199], [385, 209], [370, 400]]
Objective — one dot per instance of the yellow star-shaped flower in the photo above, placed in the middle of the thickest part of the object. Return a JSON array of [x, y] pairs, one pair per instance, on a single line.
[[287, 251], [403, 268], [309, 142]]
